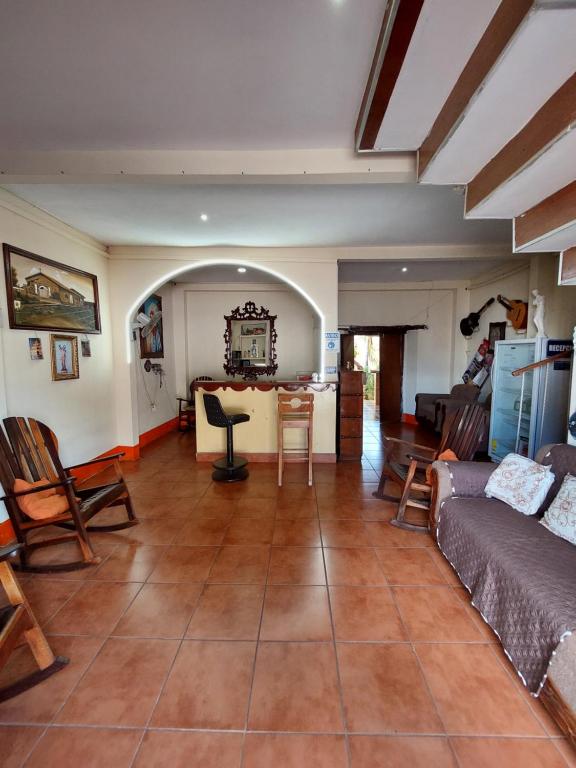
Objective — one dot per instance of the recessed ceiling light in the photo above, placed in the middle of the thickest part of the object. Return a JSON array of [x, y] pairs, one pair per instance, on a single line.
[[242, 269], [204, 216], [404, 269]]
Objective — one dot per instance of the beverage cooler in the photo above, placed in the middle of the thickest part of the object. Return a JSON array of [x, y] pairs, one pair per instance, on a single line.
[[529, 410]]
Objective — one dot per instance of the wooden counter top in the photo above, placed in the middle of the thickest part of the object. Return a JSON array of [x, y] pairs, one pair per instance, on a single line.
[[266, 386]]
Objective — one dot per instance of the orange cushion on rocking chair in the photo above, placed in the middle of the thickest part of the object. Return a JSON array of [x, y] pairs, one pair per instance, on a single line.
[[42, 504]]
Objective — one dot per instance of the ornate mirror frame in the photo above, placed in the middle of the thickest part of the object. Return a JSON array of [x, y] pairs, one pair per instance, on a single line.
[[233, 364]]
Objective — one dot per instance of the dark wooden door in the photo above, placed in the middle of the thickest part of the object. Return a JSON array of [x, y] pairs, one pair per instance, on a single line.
[[347, 350], [391, 369]]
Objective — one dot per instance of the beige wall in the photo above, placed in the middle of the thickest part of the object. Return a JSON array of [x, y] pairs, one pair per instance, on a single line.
[[433, 359], [201, 338]]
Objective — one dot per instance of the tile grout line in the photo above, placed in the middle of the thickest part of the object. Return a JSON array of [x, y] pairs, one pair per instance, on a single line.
[[256, 648], [336, 661]]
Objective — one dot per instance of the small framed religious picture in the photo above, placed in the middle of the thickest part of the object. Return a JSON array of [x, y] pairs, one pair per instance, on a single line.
[[35, 346], [85, 347], [497, 332], [64, 355]]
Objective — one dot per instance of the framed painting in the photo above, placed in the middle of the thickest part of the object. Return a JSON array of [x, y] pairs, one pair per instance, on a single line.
[[152, 335], [64, 356], [45, 295], [497, 332]]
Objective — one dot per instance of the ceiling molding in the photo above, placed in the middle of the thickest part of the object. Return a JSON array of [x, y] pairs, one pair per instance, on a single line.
[[504, 24], [550, 225], [31, 213], [549, 124], [306, 166], [400, 19]]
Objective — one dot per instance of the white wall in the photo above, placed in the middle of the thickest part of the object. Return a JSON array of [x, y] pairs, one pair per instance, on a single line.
[[205, 307], [433, 358], [81, 411], [157, 404]]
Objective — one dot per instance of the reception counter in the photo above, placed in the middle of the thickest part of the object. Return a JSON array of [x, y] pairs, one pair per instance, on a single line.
[[257, 439]]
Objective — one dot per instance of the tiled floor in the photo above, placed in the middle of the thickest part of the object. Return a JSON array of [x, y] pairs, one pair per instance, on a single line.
[[248, 626]]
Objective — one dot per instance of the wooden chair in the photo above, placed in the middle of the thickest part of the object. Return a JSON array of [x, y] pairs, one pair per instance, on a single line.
[[17, 623], [295, 412], [405, 463], [186, 407], [29, 451]]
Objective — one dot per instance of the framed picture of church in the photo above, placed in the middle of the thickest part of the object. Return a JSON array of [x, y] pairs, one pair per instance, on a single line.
[[45, 295]]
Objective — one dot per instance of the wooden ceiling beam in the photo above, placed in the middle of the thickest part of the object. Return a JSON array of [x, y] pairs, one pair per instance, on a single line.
[[504, 24], [551, 122], [400, 18], [548, 218]]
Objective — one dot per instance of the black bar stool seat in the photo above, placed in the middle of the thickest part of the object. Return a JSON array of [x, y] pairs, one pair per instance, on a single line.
[[229, 468]]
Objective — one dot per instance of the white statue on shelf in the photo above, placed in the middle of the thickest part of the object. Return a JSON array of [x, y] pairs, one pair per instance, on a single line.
[[538, 318]]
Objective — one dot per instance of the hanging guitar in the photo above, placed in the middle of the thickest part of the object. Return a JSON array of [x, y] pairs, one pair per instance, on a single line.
[[470, 324], [516, 312]]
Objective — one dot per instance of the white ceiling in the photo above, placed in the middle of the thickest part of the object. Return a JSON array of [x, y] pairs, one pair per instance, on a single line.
[[184, 74], [272, 215], [417, 271], [359, 272], [444, 38]]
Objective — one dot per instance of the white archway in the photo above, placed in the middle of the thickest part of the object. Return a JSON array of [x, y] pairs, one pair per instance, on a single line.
[[134, 279]]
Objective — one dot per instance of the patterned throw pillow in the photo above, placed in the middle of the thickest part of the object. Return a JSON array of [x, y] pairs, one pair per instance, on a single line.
[[560, 517], [521, 483]]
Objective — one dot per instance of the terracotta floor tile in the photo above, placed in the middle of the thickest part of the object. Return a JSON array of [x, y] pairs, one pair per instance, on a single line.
[[488, 635], [156, 532], [168, 489], [17, 743], [384, 690], [94, 609], [154, 508], [386, 535], [227, 612], [190, 750], [297, 491], [345, 490], [295, 689], [353, 566], [435, 614], [567, 750], [184, 563], [160, 610], [130, 562], [203, 532], [122, 684], [444, 567], [474, 693], [344, 533], [402, 752], [208, 687], [86, 747], [506, 753], [297, 565], [240, 565], [294, 751], [296, 613], [296, 533], [290, 509], [46, 596], [260, 509], [413, 567], [248, 531], [261, 489], [40, 704], [365, 613], [355, 509]]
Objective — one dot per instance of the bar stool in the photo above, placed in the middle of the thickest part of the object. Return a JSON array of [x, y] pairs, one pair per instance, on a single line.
[[229, 468], [295, 412]]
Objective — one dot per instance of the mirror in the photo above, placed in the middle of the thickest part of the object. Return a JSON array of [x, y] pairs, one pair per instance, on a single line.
[[250, 342]]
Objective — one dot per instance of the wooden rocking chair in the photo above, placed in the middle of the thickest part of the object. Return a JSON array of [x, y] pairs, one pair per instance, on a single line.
[[187, 408], [17, 623], [29, 451], [405, 465]]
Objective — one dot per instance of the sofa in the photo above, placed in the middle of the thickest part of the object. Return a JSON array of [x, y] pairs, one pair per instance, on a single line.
[[520, 575], [431, 409]]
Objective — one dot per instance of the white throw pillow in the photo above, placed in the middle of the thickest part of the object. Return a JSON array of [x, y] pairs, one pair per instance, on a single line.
[[560, 517], [521, 483]]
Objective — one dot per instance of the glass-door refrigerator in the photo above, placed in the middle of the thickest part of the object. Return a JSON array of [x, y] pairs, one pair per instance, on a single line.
[[529, 410]]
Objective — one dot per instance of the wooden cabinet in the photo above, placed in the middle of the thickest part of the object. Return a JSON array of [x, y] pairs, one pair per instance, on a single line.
[[350, 409]]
